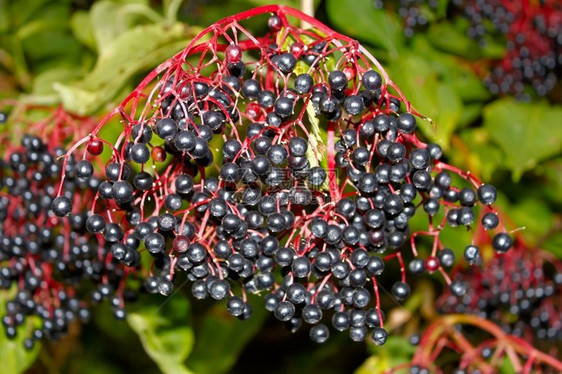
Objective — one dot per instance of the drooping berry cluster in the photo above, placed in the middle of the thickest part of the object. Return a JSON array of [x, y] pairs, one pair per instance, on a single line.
[[519, 291], [50, 265], [284, 164], [534, 44]]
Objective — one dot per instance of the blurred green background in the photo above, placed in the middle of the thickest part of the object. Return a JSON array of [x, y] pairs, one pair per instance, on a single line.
[[88, 55]]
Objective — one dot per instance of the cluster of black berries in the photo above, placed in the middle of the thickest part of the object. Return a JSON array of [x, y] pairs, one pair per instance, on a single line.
[[415, 14], [48, 265], [282, 164], [520, 291], [534, 44]]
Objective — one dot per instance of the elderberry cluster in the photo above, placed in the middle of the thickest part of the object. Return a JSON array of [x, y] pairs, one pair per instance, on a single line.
[[534, 44], [520, 291], [285, 165], [49, 265]]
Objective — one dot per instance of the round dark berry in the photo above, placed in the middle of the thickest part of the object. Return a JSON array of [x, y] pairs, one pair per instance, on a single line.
[[406, 123], [467, 196], [417, 266], [419, 158], [354, 105], [235, 306], [457, 288], [337, 80], [303, 83], [319, 333], [446, 257], [379, 336], [266, 99], [490, 221], [219, 289], [284, 311], [184, 183], [371, 80], [312, 314], [286, 62], [95, 223], [166, 128], [141, 133], [283, 107], [472, 254], [61, 206], [401, 291], [122, 192], [487, 194], [396, 152], [375, 266], [251, 88], [83, 169], [140, 153], [502, 242], [298, 146]]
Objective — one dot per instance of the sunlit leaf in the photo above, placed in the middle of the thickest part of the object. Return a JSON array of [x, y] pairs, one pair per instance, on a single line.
[[360, 19], [221, 338], [419, 82], [526, 132], [138, 49], [165, 332]]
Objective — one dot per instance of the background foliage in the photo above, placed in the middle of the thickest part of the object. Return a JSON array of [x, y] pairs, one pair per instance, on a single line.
[[88, 55]]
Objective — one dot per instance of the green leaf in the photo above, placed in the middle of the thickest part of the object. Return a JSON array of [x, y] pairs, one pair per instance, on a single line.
[[554, 244], [533, 213], [136, 50], [81, 26], [43, 83], [165, 332], [526, 132], [478, 154], [470, 113], [360, 19], [107, 22], [456, 41], [14, 358], [394, 352], [551, 181], [221, 338], [420, 83]]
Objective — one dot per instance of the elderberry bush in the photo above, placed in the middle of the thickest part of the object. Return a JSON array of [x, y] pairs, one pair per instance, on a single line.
[[51, 269], [285, 165], [534, 46]]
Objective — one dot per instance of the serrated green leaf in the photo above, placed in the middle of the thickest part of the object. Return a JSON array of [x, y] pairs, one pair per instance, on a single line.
[[166, 333], [360, 19], [221, 338], [14, 358], [526, 132], [137, 49]]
